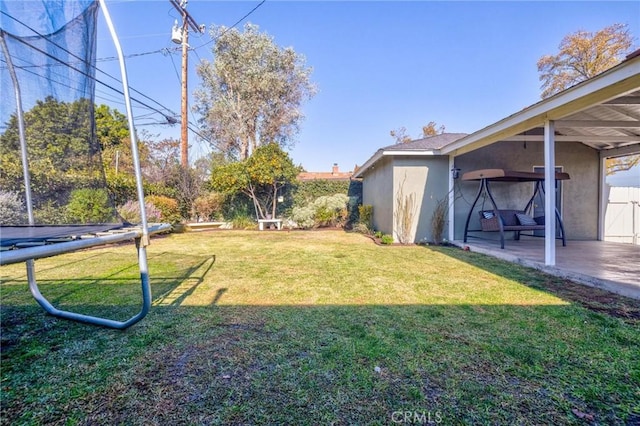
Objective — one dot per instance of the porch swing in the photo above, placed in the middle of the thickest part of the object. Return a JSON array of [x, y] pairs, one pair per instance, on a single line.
[[52, 61], [507, 220]]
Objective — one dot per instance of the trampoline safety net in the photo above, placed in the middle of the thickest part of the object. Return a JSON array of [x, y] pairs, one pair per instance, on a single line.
[[48, 76]]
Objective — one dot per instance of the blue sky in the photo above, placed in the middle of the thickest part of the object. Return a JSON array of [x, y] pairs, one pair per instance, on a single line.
[[378, 65]]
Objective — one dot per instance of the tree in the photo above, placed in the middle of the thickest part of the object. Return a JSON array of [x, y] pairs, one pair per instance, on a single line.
[[88, 205], [60, 149], [428, 130], [621, 164], [112, 133], [251, 94], [400, 135], [112, 127], [164, 158], [583, 55], [260, 177], [431, 129]]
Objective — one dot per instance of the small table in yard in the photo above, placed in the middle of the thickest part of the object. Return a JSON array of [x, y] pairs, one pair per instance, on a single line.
[[277, 222]]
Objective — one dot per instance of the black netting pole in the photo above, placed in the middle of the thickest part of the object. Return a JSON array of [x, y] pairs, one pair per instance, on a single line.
[[21, 132]]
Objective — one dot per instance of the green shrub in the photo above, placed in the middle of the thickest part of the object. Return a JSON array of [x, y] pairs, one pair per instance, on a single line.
[[331, 210], [49, 213], [324, 216], [365, 215], [305, 192], [130, 212], [12, 210], [237, 205], [169, 210], [209, 206], [303, 217], [361, 228], [324, 211], [386, 239], [243, 222], [122, 187], [378, 234], [90, 205]]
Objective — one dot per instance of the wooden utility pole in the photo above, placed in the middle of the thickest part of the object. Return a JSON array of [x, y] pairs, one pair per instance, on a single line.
[[184, 130], [187, 22]]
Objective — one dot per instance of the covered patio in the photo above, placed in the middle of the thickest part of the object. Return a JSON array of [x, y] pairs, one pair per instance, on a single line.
[[580, 127], [610, 266]]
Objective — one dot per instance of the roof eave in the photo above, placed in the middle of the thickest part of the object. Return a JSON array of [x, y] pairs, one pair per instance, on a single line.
[[387, 153]]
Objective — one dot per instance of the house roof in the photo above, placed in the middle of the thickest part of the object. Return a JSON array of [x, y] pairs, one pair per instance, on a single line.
[[426, 146], [334, 174], [324, 176]]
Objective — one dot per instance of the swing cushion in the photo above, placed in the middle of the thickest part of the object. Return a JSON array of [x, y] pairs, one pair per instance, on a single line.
[[510, 221], [526, 220], [488, 214]]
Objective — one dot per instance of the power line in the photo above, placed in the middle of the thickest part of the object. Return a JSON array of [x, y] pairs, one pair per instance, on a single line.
[[88, 76], [166, 50], [83, 61], [233, 26], [58, 83]]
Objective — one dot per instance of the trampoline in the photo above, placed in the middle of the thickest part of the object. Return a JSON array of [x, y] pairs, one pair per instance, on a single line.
[[21, 243], [20, 236], [48, 50]]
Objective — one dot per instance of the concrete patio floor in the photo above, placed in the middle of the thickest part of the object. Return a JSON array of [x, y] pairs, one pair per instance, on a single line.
[[610, 266]]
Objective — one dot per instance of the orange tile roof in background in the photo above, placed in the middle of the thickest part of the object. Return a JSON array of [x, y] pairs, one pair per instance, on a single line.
[[334, 174]]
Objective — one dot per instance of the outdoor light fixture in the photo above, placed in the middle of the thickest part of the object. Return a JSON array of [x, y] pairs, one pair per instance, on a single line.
[[455, 173], [176, 33]]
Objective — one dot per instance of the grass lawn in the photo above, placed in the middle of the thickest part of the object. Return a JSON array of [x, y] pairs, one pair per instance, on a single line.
[[314, 328]]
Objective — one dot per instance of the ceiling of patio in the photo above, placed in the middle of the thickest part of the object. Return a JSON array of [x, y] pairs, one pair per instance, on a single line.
[[610, 125]]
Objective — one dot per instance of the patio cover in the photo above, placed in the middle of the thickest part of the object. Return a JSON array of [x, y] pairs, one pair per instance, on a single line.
[[602, 112]]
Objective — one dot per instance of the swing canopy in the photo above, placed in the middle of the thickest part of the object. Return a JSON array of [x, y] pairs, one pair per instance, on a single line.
[[502, 175]]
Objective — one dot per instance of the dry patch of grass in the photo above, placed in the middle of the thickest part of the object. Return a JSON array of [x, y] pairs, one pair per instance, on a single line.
[[313, 328]]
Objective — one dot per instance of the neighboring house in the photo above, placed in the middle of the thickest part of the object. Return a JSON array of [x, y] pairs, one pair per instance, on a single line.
[[334, 174], [415, 172], [575, 130]]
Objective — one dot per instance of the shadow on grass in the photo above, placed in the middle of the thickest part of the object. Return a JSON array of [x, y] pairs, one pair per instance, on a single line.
[[592, 298], [473, 363], [117, 291], [352, 364], [176, 290]]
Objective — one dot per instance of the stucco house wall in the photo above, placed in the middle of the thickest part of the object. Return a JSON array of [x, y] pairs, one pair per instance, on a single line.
[[377, 191], [425, 177], [579, 194]]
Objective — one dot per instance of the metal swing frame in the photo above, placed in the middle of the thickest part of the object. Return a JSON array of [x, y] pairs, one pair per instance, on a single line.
[[499, 175]]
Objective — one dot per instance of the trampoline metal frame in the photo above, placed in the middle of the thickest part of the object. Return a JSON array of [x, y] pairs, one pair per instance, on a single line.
[[141, 235]]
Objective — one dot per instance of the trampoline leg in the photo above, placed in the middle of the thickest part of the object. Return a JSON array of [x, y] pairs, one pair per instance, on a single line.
[[104, 322]]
